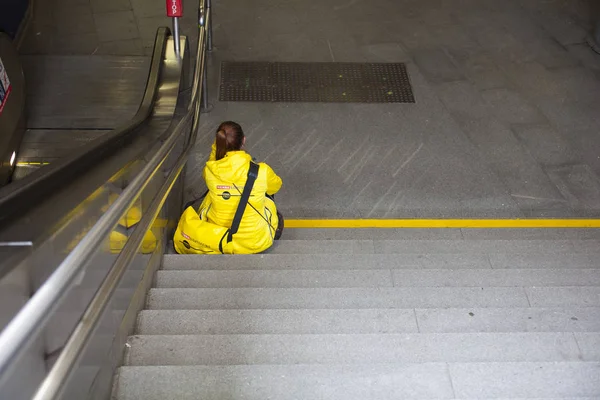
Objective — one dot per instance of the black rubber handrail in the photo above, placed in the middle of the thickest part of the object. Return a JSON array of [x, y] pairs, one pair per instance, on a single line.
[[21, 196]]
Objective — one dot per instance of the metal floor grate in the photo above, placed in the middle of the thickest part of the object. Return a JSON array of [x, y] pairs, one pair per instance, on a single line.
[[315, 82]]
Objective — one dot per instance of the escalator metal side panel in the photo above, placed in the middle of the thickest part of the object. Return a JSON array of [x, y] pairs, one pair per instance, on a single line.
[[74, 100], [12, 107], [55, 225], [54, 214], [104, 352], [20, 197]]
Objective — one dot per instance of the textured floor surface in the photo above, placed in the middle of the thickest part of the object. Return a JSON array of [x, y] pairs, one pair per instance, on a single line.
[[83, 92], [324, 82], [505, 123], [101, 27], [419, 315]]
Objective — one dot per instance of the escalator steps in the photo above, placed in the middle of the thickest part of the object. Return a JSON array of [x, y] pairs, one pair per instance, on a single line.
[[329, 82]]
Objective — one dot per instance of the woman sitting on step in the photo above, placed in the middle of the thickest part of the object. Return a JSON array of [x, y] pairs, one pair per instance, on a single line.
[[232, 179]]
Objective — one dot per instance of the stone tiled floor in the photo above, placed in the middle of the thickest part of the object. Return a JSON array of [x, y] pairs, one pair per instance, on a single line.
[[104, 27], [506, 123]]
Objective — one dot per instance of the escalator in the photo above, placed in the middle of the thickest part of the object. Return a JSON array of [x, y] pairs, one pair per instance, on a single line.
[[12, 107], [58, 104], [111, 154], [73, 100]]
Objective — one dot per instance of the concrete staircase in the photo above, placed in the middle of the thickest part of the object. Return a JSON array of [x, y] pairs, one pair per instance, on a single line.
[[364, 319]]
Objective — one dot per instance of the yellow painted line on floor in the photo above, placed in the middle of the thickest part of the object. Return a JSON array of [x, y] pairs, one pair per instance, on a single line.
[[442, 223]]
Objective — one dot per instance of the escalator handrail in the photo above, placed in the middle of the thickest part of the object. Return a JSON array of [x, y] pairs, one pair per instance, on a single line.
[[51, 387], [32, 318], [21, 196]]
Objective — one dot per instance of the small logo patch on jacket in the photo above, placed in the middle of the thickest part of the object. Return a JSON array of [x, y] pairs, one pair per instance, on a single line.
[[223, 187]]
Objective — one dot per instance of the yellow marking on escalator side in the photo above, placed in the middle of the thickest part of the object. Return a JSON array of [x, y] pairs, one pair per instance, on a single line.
[[28, 163], [442, 223]]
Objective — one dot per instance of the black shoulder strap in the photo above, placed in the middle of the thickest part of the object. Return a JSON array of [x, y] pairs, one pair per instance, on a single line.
[[239, 213], [194, 201]]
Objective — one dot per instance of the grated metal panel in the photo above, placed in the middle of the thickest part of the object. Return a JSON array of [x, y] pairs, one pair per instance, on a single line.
[[315, 82]]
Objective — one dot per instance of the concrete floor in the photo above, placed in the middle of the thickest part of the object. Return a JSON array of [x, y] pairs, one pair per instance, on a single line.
[[506, 120], [100, 27]]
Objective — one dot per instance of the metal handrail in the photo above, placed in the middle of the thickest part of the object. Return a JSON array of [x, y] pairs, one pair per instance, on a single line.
[[23, 329]]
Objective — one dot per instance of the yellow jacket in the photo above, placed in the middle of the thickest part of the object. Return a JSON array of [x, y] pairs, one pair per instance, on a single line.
[[225, 179]]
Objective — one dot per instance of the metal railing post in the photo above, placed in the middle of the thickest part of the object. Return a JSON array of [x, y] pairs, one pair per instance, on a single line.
[[176, 37], [205, 21], [175, 11], [209, 45], [204, 99]]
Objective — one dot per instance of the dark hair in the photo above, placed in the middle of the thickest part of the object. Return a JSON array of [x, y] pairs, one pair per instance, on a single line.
[[230, 137]]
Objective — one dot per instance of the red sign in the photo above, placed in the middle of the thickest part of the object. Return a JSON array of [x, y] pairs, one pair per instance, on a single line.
[[174, 8]]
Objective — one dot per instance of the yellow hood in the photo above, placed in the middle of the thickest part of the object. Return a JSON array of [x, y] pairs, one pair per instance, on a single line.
[[231, 168]]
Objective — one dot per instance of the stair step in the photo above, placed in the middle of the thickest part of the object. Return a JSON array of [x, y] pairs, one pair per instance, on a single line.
[[381, 261], [331, 261], [576, 381], [589, 343], [355, 349], [344, 298], [566, 319], [377, 278], [526, 380], [191, 322], [364, 246], [322, 247], [563, 296], [439, 320], [273, 279], [568, 261], [373, 319], [496, 277], [285, 382]]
